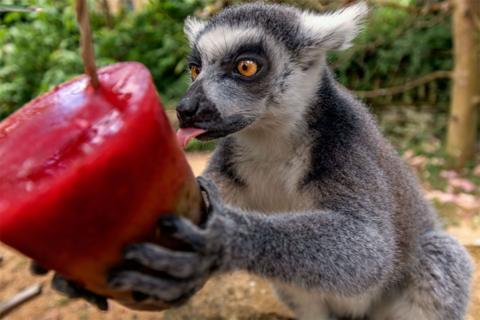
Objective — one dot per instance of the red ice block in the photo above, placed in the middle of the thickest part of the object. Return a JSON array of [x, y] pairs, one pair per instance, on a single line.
[[85, 172]]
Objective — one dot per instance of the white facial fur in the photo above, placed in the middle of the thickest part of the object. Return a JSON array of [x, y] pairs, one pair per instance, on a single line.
[[192, 27], [335, 30], [215, 43]]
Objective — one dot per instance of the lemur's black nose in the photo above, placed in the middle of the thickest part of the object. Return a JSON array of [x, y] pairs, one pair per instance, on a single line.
[[186, 109], [195, 108]]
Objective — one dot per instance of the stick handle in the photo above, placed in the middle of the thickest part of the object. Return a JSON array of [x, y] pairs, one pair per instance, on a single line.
[[86, 43], [20, 298]]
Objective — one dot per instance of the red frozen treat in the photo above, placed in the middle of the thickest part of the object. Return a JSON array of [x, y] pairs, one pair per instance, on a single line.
[[84, 172]]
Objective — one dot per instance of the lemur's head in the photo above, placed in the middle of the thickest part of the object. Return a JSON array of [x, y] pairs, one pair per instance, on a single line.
[[254, 64]]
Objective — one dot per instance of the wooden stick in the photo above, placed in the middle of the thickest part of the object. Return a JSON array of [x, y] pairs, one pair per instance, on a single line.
[[19, 299], [86, 43]]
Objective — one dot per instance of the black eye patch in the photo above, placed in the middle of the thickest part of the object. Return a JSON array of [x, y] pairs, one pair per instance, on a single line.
[[256, 49], [194, 58], [249, 51]]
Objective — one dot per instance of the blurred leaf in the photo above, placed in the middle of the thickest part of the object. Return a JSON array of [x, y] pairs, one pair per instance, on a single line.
[[39, 51]]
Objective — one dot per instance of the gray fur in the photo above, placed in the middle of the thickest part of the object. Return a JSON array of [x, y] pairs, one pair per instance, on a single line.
[[311, 196]]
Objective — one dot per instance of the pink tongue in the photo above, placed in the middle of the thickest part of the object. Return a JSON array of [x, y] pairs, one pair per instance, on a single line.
[[184, 135]]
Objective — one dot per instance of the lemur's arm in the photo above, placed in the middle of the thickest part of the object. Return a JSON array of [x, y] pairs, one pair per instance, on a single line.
[[337, 251]]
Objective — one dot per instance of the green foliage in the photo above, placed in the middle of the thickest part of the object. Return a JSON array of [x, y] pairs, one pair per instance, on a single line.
[[30, 44], [154, 37], [196, 145], [420, 129], [396, 47], [40, 50]]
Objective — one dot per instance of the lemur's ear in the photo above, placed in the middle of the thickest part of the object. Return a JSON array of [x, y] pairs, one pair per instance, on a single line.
[[192, 27], [335, 30]]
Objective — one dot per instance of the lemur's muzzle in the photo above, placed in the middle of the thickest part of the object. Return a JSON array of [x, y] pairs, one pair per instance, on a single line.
[[199, 117], [196, 114], [195, 109]]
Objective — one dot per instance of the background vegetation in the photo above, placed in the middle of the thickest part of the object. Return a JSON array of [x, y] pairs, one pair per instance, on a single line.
[[40, 50], [401, 64]]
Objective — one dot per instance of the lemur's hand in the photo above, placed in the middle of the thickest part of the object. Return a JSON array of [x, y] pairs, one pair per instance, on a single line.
[[176, 275], [157, 275], [70, 289]]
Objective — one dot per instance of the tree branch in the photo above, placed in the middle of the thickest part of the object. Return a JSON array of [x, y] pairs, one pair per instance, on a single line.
[[430, 8], [441, 74], [19, 299]]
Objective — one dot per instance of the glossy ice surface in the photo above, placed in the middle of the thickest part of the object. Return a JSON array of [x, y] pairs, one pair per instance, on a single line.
[[84, 172]]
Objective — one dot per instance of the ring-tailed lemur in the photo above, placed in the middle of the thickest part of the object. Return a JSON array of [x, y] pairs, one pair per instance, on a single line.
[[310, 194]]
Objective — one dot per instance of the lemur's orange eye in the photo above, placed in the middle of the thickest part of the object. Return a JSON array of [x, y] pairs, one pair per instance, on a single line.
[[194, 72], [247, 68]]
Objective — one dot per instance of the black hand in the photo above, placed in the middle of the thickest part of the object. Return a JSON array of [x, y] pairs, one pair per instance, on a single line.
[[37, 269], [69, 288], [175, 275], [73, 291]]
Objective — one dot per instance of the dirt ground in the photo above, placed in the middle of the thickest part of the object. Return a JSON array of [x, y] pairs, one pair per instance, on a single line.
[[238, 296]]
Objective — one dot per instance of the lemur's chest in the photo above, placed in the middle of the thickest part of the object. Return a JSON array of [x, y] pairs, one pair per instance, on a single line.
[[269, 185]]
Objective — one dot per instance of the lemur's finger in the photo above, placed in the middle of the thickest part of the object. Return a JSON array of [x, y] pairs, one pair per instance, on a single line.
[[210, 190], [73, 291], [177, 264], [139, 296], [165, 290], [37, 269], [64, 286], [183, 230], [100, 302]]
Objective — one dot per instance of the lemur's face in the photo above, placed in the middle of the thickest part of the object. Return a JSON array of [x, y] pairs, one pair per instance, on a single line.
[[254, 61], [231, 79]]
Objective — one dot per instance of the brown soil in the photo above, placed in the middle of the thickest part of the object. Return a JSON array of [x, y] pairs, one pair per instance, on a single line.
[[237, 296]]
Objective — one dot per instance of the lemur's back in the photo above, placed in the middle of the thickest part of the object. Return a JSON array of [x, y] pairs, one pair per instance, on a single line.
[[412, 214]]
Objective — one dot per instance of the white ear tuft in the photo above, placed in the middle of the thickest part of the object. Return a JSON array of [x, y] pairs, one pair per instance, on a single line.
[[192, 27], [335, 30]]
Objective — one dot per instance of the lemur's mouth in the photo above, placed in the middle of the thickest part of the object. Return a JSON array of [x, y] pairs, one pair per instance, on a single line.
[[211, 130], [184, 135]]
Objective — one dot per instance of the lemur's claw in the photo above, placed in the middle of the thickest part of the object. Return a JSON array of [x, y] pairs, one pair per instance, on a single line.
[[183, 230], [163, 290], [37, 269], [73, 291], [177, 264], [180, 273], [69, 288], [210, 192]]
